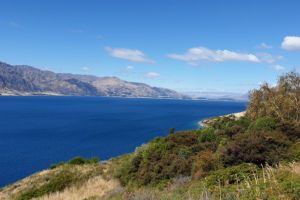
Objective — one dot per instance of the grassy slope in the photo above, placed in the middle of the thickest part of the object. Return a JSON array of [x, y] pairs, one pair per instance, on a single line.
[[66, 181]]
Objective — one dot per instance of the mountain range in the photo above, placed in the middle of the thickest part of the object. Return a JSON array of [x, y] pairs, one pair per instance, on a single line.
[[27, 80]]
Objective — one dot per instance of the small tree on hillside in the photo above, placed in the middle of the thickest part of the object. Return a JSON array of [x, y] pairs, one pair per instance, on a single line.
[[281, 102]]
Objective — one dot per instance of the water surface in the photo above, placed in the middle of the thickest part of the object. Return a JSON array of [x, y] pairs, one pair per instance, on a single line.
[[36, 132]]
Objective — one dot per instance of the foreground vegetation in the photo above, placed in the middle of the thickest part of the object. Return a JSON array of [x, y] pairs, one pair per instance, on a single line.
[[231, 158], [256, 156]]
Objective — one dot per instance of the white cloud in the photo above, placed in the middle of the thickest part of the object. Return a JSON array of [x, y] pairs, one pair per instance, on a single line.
[[266, 58], [278, 67], [265, 46], [152, 75], [86, 69], [291, 43], [194, 55], [128, 54]]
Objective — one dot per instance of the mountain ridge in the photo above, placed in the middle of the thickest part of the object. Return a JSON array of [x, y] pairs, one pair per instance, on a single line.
[[26, 80]]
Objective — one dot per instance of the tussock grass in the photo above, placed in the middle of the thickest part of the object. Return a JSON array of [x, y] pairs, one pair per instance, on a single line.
[[94, 188], [51, 181], [278, 183]]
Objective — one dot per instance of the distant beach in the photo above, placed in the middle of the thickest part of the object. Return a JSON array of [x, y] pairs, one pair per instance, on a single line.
[[206, 122]]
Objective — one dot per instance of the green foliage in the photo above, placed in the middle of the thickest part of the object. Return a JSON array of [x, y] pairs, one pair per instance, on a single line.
[[57, 183], [60, 178], [231, 175], [290, 183], [281, 102], [53, 166], [81, 161], [290, 129], [294, 151], [204, 162], [207, 135], [165, 158], [263, 123], [171, 130], [229, 126], [259, 147], [120, 168], [76, 161]]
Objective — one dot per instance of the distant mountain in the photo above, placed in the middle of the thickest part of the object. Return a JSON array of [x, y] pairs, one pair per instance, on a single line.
[[224, 96], [27, 80]]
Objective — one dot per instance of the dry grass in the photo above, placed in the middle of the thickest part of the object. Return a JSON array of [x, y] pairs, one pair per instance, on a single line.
[[10, 191], [278, 183], [39, 179], [95, 187]]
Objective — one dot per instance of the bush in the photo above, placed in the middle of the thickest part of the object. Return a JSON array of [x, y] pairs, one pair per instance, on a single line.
[[165, 158], [207, 135], [263, 123], [281, 102], [204, 162], [81, 161], [294, 151], [290, 129], [53, 166], [57, 180], [57, 183], [76, 161], [258, 147], [290, 183], [231, 175]]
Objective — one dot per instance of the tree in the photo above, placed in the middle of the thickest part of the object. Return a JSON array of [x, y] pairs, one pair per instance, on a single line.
[[281, 102]]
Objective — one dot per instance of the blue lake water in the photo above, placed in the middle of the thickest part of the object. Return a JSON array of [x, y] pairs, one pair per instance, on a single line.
[[36, 132]]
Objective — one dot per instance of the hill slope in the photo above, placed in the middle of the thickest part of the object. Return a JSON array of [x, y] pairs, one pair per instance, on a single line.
[[27, 80]]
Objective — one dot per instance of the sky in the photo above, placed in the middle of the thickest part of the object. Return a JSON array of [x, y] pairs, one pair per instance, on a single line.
[[186, 45]]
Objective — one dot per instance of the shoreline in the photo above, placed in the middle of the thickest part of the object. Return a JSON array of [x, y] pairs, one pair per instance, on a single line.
[[207, 121]]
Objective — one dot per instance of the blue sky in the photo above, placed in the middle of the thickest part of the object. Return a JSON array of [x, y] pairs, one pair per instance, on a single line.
[[221, 46]]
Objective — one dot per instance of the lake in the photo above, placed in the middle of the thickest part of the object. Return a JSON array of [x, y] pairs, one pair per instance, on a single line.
[[36, 132]]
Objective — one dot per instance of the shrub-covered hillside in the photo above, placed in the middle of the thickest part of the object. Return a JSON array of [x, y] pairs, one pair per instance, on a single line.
[[230, 150], [256, 156]]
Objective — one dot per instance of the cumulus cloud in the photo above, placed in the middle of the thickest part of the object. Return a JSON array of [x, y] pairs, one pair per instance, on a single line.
[[128, 54], [278, 67], [264, 46], [152, 75], [291, 43], [194, 55]]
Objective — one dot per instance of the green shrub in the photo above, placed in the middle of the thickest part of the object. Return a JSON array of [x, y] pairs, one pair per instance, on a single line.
[[290, 183], [53, 166], [259, 147], [294, 151], [56, 183], [165, 158], [81, 161], [231, 175], [204, 162], [263, 123], [290, 129], [207, 135], [58, 179], [124, 171]]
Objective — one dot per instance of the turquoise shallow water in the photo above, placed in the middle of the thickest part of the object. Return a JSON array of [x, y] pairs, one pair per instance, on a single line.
[[36, 132]]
